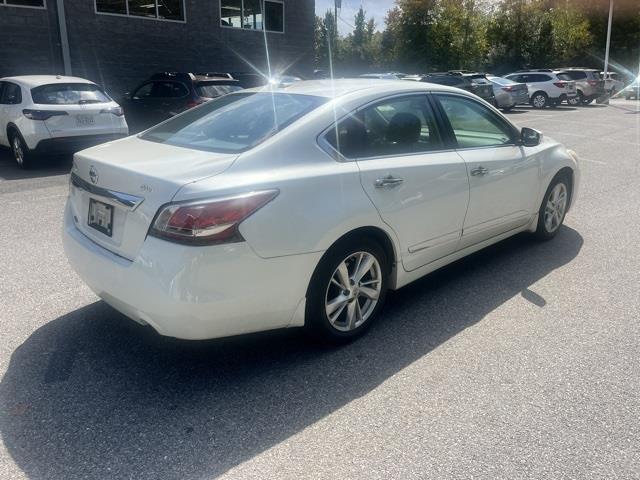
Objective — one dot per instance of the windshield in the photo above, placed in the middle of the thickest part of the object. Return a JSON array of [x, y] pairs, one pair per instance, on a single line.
[[234, 123], [69, 94], [563, 76], [214, 89]]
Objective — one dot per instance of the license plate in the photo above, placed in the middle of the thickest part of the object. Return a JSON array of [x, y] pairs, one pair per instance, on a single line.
[[85, 120], [101, 216]]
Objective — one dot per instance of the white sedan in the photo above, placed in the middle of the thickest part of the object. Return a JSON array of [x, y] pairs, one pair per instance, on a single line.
[[302, 206], [54, 114]]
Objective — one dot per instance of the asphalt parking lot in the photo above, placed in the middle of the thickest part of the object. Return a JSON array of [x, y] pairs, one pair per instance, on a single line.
[[522, 361]]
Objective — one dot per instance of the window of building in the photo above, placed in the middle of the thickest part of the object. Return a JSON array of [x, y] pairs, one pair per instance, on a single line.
[[253, 14], [157, 9], [24, 3]]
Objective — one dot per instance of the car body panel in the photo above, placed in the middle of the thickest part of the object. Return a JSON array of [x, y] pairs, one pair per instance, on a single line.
[[261, 283]]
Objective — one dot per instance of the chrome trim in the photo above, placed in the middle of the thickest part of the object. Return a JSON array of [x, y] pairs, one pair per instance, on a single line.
[[124, 199]]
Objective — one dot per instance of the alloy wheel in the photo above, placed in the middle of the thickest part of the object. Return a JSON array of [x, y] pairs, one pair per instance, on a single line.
[[353, 291], [555, 208], [539, 101], [18, 151]]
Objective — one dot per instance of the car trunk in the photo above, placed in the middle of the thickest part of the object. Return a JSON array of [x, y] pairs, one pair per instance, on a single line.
[[128, 181], [86, 119]]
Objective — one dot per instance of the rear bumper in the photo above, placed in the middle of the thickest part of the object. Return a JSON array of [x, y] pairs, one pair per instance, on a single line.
[[194, 292], [63, 145]]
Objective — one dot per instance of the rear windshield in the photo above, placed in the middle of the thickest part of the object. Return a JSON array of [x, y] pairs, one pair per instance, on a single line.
[[215, 89], [69, 94], [234, 123], [563, 76]]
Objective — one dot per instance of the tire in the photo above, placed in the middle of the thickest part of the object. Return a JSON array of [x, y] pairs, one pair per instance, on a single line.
[[354, 308], [507, 109], [577, 100], [554, 207], [539, 100], [21, 153], [587, 101]]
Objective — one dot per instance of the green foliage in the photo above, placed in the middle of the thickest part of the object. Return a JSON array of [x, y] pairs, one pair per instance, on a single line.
[[429, 35]]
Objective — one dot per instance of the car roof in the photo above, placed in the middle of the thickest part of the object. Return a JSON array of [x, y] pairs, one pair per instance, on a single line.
[[336, 88], [31, 81]]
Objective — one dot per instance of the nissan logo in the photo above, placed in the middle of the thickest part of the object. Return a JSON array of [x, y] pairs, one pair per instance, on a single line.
[[93, 174]]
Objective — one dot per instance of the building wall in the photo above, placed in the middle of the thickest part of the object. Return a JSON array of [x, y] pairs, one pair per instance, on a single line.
[[29, 41], [118, 52]]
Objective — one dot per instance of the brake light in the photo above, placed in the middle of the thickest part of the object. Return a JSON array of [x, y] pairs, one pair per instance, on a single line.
[[593, 83], [117, 111], [42, 114], [560, 84], [507, 89], [209, 222]]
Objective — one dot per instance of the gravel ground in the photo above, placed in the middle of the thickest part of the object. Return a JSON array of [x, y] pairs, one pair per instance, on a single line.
[[521, 361]]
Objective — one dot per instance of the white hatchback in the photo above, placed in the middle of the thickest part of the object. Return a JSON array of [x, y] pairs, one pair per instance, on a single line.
[[302, 206], [54, 114]]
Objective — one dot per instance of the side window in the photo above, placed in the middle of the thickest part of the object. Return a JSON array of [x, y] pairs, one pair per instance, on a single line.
[[168, 90], [473, 124], [11, 94], [143, 92], [398, 126], [1, 90]]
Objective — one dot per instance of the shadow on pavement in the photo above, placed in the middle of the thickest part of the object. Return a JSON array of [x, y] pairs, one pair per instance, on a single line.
[[93, 395], [44, 166]]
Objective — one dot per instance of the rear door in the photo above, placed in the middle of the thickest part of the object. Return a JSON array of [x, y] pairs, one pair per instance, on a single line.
[[154, 102], [419, 190], [503, 182], [83, 107]]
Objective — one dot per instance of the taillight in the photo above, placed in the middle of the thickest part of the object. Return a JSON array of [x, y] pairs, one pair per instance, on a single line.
[[208, 222], [117, 111], [593, 83], [507, 89], [194, 103], [560, 84], [42, 114]]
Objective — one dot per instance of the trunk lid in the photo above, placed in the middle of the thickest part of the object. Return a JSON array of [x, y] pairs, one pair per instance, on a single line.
[[86, 119], [133, 177]]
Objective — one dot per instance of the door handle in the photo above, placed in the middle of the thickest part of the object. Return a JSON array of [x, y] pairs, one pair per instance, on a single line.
[[388, 182], [479, 171]]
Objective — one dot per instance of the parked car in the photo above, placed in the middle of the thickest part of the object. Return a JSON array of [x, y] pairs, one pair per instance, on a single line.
[[475, 83], [260, 210], [164, 95], [589, 85], [381, 76], [546, 87], [508, 93], [54, 115], [250, 79], [633, 90], [613, 82]]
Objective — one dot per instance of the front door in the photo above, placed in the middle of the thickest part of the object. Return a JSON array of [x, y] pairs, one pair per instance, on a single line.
[[420, 191], [503, 181]]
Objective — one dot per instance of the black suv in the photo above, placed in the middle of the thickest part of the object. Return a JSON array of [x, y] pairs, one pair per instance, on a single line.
[[473, 82], [164, 95]]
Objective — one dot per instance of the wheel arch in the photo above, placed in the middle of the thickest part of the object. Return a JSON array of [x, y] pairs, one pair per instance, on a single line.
[[12, 128], [375, 233], [569, 173]]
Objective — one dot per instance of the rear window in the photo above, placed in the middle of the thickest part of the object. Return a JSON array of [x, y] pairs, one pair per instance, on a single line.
[[234, 123], [564, 76], [69, 94], [215, 89], [450, 81]]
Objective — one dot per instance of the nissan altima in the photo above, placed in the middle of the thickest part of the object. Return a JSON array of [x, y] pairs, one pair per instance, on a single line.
[[302, 206]]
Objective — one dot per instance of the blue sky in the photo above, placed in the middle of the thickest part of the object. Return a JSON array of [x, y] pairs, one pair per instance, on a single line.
[[374, 8]]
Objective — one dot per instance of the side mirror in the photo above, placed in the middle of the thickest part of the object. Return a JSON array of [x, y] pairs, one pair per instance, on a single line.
[[530, 137]]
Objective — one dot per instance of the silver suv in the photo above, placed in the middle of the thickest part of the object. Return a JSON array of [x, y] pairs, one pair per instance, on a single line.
[[546, 87], [589, 84]]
